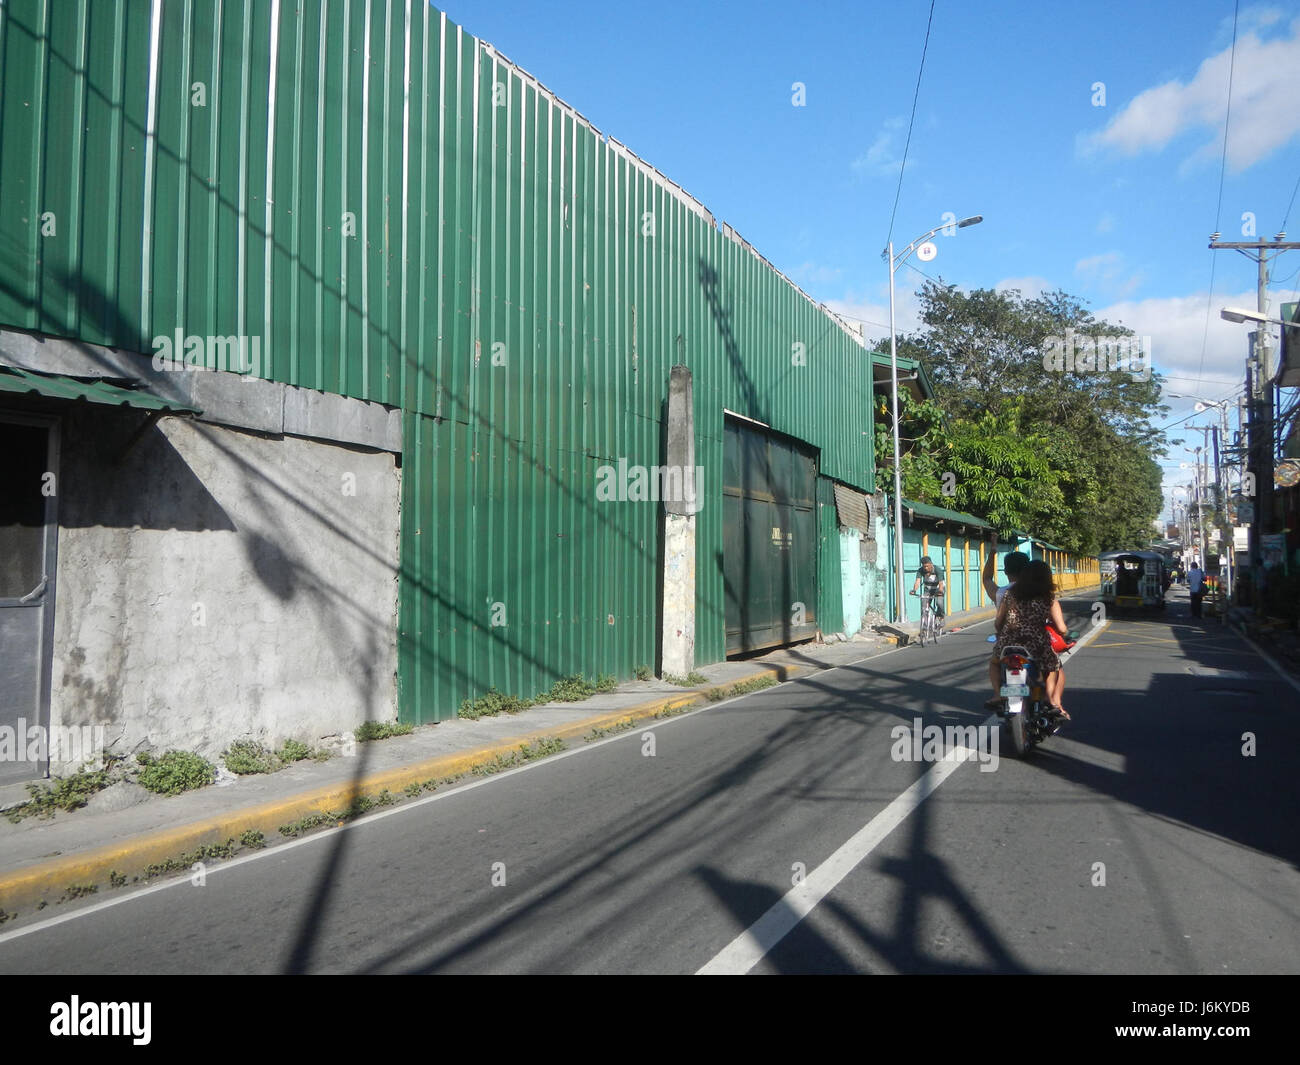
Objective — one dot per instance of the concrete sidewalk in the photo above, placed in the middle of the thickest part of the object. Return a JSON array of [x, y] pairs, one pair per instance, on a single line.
[[128, 836]]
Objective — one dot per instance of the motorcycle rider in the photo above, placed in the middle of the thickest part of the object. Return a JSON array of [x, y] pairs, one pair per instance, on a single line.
[[1013, 565], [1026, 612]]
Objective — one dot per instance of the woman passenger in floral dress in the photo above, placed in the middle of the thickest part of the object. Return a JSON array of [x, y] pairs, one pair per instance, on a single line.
[[1029, 606]]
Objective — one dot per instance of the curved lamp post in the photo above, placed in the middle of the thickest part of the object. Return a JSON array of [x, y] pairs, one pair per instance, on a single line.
[[895, 261]]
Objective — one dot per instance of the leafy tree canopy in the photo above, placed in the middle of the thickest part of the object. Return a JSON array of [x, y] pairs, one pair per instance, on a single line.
[[1034, 434]]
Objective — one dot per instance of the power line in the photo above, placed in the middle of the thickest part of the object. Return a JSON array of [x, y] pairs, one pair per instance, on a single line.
[[910, 265], [1286, 217], [1205, 334], [908, 143], [1227, 118], [1223, 169]]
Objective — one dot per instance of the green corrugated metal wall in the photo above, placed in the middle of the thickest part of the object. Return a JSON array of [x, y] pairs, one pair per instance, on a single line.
[[500, 286], [830, 573]]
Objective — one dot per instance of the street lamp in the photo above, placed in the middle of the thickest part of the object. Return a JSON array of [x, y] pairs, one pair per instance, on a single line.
[[1241, 314], [895, 261], [1175, 507], [1221, 481], [1200, 508]]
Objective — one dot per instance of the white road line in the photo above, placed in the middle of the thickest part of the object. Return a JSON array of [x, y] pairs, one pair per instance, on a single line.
[[748, 948], [1269, 659]]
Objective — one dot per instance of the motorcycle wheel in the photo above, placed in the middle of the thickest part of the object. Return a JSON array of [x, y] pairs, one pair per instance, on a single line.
[[1019, 737]]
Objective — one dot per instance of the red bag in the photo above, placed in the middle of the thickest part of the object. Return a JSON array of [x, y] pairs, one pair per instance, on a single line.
[[1058, 641]]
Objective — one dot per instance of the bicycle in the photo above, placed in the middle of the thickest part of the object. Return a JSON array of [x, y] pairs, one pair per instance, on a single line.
[[931, 625]]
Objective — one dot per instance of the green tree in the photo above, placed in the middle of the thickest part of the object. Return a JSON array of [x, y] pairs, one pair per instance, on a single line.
[[1067, 454]]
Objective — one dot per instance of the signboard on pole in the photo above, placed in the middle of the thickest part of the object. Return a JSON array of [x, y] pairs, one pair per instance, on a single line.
[[1271, 547]]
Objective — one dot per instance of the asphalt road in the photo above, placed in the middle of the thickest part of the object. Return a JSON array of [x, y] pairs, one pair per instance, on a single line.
[[1139, 840]]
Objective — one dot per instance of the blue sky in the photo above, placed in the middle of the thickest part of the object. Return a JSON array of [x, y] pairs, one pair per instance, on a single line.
[[1112, 203]]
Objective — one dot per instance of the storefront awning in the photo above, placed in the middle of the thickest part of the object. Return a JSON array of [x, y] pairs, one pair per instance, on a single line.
[[60, 386]]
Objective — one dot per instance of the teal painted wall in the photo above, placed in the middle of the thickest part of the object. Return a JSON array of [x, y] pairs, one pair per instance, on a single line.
[[852, 581]]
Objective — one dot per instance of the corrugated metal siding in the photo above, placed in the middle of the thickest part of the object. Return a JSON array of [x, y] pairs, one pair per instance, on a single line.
[[853, 508], [487, 213]]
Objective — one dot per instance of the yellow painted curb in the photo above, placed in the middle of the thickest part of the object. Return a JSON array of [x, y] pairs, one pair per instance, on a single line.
[[26, 888]]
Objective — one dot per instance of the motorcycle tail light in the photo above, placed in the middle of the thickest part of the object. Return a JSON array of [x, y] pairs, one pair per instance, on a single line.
[[1015, 662]]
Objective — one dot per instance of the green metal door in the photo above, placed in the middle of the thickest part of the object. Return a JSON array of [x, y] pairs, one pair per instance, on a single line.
[[770, 538]]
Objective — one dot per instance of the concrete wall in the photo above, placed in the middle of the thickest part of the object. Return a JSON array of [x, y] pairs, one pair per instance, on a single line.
[[851, 576], [217, 584]]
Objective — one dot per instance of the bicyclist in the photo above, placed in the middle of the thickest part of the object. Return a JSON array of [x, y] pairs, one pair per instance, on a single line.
[[930, 576]]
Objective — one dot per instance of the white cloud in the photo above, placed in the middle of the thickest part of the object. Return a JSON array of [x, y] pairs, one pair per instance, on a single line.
[[1106, 223], [1266, 86], [1106, 273], [1177, 328], [1030, 287], [882, 158], [1252, 18], [875, 315], [811, 273]]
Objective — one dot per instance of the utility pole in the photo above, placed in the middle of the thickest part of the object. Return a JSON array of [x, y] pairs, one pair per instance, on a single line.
[[1261, 443], [1225, 525]]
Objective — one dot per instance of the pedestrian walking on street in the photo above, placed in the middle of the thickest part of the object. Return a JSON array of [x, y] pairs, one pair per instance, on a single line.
[[1196, 587]]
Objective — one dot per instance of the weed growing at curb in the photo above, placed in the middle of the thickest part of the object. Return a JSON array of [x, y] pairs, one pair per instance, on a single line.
[[175, 772], [692, 679], [526, 753], [673, 711], [600, 732], [116, 879], [305, 824], [6, 916], [743, 687], [205, 852], [67, 794], [77, 891], [571, 689], [360, 805], [493, 702], [294, 751], [433, 785], [381, 730], [253, 839], [642, 673], [247, 757]]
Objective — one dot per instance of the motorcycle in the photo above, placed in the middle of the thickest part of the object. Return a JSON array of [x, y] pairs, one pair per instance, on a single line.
[[1026, 710]]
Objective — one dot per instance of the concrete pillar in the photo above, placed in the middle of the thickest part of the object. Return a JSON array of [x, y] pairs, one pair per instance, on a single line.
[[678, 578]]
